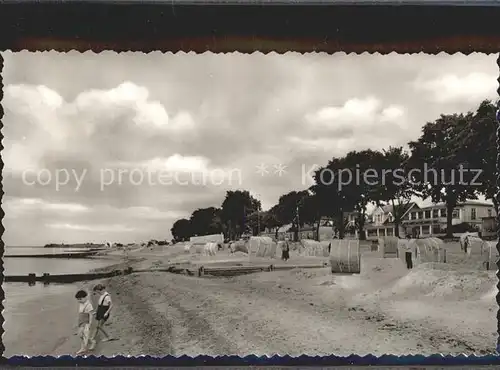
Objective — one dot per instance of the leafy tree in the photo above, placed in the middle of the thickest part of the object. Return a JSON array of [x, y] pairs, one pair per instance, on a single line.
[[236, 208], [288, 209], [312, 208], [440, 173], [395, 188], [270, 219], [346, 185], [206, 221], [476, 146], [332, 194], [361, 188], [256, 222], [181, 230]]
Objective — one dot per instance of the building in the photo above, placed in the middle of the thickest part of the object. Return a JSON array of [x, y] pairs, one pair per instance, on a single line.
[[326, 231], [281, 232], [380, 222], [427, 221]]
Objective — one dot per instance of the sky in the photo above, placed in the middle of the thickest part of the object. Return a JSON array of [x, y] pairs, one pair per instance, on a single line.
[[116, 147]]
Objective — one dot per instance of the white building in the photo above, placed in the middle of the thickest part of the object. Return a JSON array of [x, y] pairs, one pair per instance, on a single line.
[[426, 221]]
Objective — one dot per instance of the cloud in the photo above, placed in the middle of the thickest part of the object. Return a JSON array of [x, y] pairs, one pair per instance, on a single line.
[[179, 163], [472, 87], [350, 126], [17, 206], [150, 213], [93, 228], [120, 122], [392, 113], [353, 110]]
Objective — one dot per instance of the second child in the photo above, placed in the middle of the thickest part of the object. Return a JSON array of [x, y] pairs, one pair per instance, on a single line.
[[85, 321], [103, 310]]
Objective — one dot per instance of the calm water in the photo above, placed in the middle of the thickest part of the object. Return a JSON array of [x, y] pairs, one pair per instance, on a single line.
[[25, 306], [20, 297], [24, 266], [17, 293]]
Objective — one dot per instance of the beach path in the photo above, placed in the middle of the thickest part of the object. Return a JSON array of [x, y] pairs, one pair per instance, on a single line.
[[290, 312], [281, 313]]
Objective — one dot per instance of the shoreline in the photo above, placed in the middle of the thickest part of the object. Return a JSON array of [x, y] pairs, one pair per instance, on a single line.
[[385, 309], [56, 335]]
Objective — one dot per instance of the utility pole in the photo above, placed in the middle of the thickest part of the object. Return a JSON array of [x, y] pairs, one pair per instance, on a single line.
[[244, 219], [298, 223], [258, 215], [258, 222]]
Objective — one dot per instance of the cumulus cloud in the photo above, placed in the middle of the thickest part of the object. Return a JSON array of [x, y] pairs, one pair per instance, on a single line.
[[97, 123], [93, 228], [17, 206], [350, 126], [472, 87], [216, 116], [392, 113], [352, 111]]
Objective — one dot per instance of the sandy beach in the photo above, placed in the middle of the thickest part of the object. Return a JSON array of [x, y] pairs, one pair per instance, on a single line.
[[385, 309]]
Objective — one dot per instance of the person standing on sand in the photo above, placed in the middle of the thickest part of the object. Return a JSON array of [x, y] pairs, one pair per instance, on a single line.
[[104, 306], [408, 259], [285, 254], [85, 321]]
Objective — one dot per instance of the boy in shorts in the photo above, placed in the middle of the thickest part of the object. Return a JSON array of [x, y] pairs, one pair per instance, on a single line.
[[85, 321], [103, 310]]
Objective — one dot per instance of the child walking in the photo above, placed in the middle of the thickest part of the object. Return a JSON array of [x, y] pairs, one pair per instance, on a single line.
[[104, 306], [85, 321]]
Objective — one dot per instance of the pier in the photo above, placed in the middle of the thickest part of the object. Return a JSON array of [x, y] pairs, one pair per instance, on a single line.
[[64, 278]]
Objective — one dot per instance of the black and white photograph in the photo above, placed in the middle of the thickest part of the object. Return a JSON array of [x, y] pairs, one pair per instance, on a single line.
[[249, 204]]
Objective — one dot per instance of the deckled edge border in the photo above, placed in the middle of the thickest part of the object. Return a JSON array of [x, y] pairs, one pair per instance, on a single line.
[[252, 360], [497, 196], [2, 293]]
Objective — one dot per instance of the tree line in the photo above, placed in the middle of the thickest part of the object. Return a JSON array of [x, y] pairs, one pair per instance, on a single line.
[[453, 160]]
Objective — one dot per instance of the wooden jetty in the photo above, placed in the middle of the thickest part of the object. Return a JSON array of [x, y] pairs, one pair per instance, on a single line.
[[200, 271], [64, 278]]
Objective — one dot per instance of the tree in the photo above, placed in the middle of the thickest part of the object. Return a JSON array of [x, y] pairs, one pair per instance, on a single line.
[[206, 221], [288, 209], [181, 230], [270, 219], [437, 166], [254, 220], [395, 188], [236, 208], [312, 209], [361, 187], [332, 194], [476, 146], [346, 185]]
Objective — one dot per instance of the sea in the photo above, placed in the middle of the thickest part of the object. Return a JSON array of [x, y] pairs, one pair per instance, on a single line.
[[18, 295], [24, 266]]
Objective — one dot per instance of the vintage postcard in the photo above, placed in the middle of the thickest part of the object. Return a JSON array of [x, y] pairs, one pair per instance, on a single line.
[[238, 204]]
